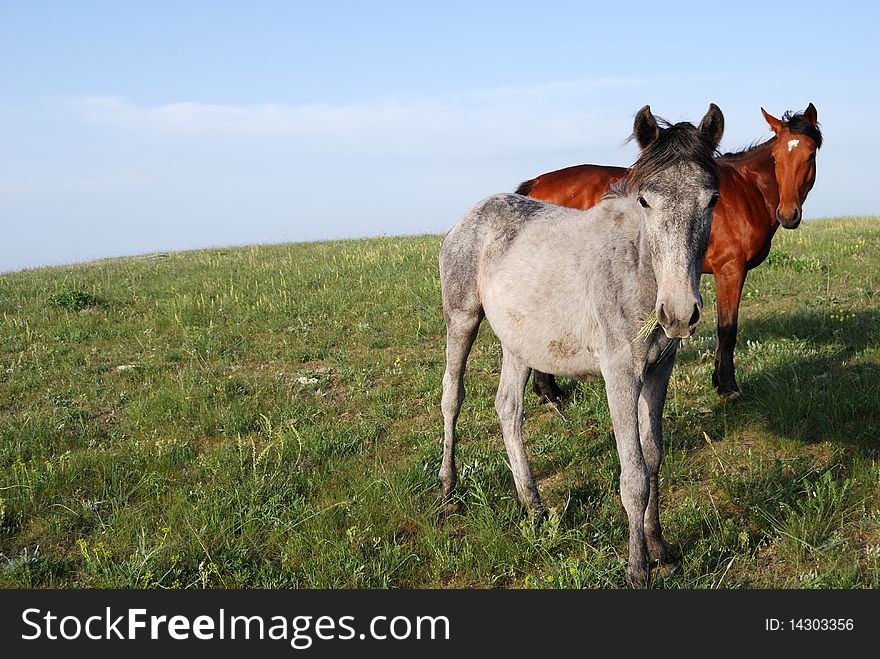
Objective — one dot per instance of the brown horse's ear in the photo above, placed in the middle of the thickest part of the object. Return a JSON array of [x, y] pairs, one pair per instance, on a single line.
[[712, 125], [645, 127], [810, 114], [775, 124]]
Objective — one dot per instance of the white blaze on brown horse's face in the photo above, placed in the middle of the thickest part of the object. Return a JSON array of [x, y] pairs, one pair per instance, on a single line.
[[794, 155]]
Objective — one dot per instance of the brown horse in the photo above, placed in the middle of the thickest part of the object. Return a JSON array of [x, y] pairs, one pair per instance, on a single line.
[[762, 186]]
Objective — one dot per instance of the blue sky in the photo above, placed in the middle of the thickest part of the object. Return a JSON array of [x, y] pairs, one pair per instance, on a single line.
[[128, 128]]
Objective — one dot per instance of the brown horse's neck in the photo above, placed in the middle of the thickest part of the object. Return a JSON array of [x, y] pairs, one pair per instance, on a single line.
[[756, 165]]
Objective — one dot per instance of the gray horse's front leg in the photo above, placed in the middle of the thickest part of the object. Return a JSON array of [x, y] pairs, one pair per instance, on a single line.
[[623, 387], [509, 405], [651, 402]]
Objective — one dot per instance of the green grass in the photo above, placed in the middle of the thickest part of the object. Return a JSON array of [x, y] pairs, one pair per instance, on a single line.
[[269, 417]]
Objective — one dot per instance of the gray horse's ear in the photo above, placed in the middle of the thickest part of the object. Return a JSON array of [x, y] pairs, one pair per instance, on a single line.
[[712, 125], [645, 128]]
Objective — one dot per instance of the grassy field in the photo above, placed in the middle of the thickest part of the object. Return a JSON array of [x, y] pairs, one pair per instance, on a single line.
[[269, 417]]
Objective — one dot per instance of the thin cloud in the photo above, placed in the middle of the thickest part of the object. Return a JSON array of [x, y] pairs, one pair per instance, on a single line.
[[513, 119]]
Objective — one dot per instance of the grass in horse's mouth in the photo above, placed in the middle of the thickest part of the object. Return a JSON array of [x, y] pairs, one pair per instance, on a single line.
[[648, 326]]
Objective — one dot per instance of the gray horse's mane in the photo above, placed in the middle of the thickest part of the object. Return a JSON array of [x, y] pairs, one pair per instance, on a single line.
[[675, 143]]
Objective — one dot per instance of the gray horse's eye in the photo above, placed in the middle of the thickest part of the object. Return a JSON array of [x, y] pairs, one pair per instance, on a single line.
[[643, 202], [714, 200]]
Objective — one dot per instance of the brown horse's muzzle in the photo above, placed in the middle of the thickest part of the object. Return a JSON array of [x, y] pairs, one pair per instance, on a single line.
[[789, 219]]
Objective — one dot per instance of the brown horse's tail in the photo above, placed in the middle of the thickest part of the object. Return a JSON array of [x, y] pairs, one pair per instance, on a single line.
[[525, 188]]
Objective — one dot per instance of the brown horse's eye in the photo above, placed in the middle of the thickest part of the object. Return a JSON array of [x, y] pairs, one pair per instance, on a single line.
[[643, 202], [714, 200]]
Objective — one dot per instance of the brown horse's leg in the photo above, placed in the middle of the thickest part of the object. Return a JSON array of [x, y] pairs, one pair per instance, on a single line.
[[729, 280], [545, 386]]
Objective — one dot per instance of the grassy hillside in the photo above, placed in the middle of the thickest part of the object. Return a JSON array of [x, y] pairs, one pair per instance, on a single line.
[[269, 417]]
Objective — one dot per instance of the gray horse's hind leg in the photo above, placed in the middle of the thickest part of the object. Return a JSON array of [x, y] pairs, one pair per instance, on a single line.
[[651, 401], [622, 389], [461, 330], [509, 405]]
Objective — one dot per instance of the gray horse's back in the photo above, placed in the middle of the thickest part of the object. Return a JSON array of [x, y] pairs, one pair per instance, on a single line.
[[499, 217], [503, 261], [486, 233], [492, 224]]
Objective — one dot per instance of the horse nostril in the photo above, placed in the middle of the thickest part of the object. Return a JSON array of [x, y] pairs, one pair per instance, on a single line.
[[787, 219], [662, 318], [695, 317]]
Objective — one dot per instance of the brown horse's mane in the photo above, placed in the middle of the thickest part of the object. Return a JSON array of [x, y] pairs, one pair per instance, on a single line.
[[800, 126], [747, 151], [796, 124], [525, 187]]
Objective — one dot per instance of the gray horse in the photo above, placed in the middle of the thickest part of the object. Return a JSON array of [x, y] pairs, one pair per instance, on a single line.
[[567, 291]]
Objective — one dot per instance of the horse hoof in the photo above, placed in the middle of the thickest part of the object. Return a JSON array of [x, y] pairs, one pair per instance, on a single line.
[[659, 553], [450, 502], [729, 394], [637, 578], [532, 507], [453, 507], [538, 513], [549, 397]]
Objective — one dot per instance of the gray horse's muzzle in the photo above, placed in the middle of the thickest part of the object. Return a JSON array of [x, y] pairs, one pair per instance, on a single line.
[[679, 316]]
